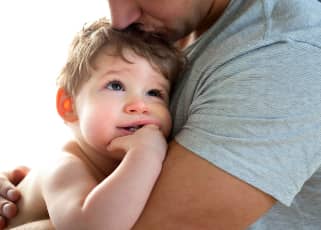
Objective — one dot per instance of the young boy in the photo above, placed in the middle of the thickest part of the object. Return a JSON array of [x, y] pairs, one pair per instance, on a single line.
[[113, 94]]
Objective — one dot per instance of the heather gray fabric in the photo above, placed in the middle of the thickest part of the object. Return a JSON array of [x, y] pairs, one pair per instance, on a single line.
[[250, 103]]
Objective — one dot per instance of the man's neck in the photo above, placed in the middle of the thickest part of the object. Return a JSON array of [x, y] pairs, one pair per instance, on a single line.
[[214, 13]]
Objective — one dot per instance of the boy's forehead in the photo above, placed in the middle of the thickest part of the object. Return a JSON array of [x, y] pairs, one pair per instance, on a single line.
[[125, 56], [125, 62], [111, 59]]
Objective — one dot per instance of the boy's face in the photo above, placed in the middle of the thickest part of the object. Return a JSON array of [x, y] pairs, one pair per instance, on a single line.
[[119, 98], [172, 19]]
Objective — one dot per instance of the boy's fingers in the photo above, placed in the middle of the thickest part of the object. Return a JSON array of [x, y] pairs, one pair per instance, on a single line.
[[117, 148]]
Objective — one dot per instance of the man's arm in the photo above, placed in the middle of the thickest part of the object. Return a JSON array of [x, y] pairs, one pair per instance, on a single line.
[[193, 194]]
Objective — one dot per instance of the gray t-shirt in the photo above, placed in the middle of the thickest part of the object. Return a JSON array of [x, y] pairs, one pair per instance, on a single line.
[[250, 103]]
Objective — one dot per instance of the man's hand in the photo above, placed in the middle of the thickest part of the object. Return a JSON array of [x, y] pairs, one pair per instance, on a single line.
[[39, 225], [9, 194]]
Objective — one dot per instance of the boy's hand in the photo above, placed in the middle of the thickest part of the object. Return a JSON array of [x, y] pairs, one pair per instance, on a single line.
[[149, 139], [9, 194]]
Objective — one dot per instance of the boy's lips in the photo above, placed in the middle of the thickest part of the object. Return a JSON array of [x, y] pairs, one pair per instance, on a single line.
[[132, 127]]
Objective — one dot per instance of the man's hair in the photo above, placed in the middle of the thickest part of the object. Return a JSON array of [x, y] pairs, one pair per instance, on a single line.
[[97, 36]]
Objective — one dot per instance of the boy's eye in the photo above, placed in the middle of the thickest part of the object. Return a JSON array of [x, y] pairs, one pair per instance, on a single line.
[[155, 93], [115, 85]]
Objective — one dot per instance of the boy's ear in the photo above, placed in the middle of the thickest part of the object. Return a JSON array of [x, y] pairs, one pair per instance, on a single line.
[[64, 106]]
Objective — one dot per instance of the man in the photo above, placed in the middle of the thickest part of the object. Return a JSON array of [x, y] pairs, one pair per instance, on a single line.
[[246, 141]]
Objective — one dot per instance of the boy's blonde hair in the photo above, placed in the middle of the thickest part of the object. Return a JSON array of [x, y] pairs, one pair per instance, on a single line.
[[91, 40]]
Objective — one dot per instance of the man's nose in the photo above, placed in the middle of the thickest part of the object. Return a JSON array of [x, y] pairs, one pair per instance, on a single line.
[[123, 13], [136, 106]]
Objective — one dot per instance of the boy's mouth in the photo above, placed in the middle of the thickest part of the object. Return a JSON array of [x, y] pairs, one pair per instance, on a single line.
[[133, 128]]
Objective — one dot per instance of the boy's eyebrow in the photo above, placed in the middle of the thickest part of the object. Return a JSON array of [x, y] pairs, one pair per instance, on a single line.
[[115, 71], [165, 83]]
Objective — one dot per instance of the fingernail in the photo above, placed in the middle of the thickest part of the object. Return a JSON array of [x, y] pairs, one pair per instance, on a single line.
[[9, 210], [6, 209], [13, 194]]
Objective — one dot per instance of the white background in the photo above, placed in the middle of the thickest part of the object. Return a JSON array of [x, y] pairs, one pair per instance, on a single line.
[[34, 40]]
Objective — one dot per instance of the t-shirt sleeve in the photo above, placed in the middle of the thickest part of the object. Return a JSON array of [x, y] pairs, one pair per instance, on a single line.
[[258, 117]]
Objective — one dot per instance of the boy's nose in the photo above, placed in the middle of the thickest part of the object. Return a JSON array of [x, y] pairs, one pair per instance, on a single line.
[[137, 106], [123, 13]]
